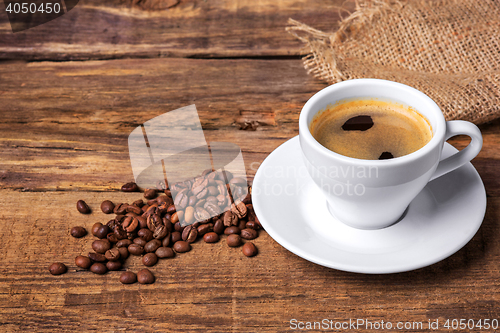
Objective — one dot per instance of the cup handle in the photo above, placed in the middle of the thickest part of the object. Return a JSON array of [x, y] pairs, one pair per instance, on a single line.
[[460, 127]]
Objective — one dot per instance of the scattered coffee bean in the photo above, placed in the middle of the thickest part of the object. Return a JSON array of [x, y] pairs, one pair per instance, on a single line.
[[145, 234], [149, 259], [219, 227], [248, 234], [130, 187], [232, 230], [164, 252], [114, 265], [175, 237], [140, 241], [123, 243], [166, 241], [233, 240], [78, 232], [182, 246], [101, 245], [252, 225], [152, 245], [57, 268], [101, 231], [83, 262], [205, 228], [107, 207], [82, 207], [135, 249], [112, 254], [249, 249], [98, 268], [97, 257], [123, 253], [150, 193], [128, 278], [112, 238], [144, 276], [211, 237]]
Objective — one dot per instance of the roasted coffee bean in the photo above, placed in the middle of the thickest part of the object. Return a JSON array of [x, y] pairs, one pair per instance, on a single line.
[[130, 187], [242, 224], [192, 235], [181, 246], [114, 265], [107, 207], [142, 222], [98, 268], [219, 227], [120, 209], [252, 225], [164, 252], [126, 221], [78, 232], [83, 262], [135, 249], [181, 200], [211, 237], [154, 220], [139, 203], [204, 228], [150, 193], [101, 245], [168, 224], [160, 232], [238, 193], [97, 257], [225, 176], [202, 194], [140, 241], [212, 200], [212, 191], [177, 216], [192, 201], [145, 234], [152, 245], [189, 215], [239, 209], [248, 234], [171, 209], [144, 276], [247, 199], [82, 207], [164, 199], [133, 225], [249, 249], [123, 253], [166, 241], [111, 237], [123, 243], [178, 227], [128, 278], [95, 228], [200, 203], [233, 240], [185, 233], [149, 259], [201, 214], [175, 236], [212, 208], [230, 219], [238, 181], [231, 230], [134, 209], [112, 254], [120, 233], [57, 268]]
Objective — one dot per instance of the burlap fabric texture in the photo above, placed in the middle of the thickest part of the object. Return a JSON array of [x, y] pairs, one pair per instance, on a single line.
[[448, 49]]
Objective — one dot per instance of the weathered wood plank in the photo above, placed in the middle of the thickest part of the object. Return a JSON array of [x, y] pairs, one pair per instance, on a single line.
[[228, 292], [223, 28], [64, 126]]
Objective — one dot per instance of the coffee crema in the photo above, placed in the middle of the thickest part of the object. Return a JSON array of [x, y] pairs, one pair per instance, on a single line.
[[371, 129]]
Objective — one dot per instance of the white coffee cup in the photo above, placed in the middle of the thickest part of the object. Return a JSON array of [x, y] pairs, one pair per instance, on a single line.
[[373, 194]]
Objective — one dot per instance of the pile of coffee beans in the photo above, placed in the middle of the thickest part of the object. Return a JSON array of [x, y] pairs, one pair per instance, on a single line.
[[210, 206]]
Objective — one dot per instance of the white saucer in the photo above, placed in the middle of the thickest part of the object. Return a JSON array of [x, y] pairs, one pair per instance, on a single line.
[[439, 221]]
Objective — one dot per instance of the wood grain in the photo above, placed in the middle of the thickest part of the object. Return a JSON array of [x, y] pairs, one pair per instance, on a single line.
[[97, 29], [229, 292]]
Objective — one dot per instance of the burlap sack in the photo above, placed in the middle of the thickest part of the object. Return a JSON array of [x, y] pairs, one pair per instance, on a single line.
[[449, 49]]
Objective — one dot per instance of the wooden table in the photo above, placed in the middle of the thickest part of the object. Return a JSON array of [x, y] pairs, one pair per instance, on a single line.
[[73, 89]]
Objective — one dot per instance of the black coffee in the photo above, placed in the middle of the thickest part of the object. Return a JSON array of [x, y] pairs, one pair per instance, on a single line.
[[371, 129]]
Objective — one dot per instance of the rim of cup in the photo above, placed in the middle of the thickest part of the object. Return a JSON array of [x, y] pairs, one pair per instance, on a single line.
[[438, 123]]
